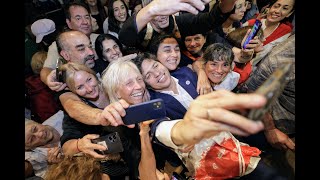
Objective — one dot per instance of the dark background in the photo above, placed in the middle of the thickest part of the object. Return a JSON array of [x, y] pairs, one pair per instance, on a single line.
[[15, 17]]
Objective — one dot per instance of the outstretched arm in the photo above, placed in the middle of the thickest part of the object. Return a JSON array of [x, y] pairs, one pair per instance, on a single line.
[[211, 113], [80, 111], [147, 165], [165, 8], [86, 114], [207, 116]]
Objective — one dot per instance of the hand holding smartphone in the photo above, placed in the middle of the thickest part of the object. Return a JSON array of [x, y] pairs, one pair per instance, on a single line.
[[111, 141], [149, 110], [271, 89], [255, 28]]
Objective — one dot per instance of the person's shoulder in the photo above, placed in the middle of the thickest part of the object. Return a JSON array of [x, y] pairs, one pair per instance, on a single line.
[[54, 119], [53, 45], [62, 92], [285, 27], [184, 69], [93, 36], [285, 47], [114, 34], [234, 75]]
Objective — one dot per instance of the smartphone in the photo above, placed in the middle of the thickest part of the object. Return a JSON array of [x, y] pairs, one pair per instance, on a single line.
[[111, 141], [153, 109], [271, 89], [58, 73], [254, 30]]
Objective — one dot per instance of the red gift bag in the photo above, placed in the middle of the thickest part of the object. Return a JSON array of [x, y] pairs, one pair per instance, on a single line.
[[221, 157]]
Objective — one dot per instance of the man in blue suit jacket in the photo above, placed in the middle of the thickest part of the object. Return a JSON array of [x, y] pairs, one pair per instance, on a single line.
[[177, 90]]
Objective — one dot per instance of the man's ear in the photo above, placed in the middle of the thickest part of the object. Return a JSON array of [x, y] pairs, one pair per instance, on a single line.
[[65, 55], [68, 23]]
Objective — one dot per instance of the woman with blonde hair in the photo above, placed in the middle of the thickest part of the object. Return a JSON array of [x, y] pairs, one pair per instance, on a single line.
[[77, 136]]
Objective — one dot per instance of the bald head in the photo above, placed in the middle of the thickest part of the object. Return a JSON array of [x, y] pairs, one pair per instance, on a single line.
[[75, 46], [65, 39]]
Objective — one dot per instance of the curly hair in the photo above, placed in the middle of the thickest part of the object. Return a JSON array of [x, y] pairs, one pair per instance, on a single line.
[[75, 167]]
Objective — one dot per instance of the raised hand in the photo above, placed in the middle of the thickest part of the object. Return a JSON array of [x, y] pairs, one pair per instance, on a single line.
[[53, 83], [210, 114]]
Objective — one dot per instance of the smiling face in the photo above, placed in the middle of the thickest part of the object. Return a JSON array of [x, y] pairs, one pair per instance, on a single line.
[[155, 74], [169, 53], [111, 50], [86, 85], [280, 10], [160, 22], [194, 43], [80, 20], [217, 70], [131, 88], [119, 11], [37, 134], [78, 48]]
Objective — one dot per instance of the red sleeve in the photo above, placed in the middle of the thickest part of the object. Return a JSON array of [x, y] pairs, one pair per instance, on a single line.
[[251, 22]]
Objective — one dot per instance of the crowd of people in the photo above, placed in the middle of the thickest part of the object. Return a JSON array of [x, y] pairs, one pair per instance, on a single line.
[[112, 54]]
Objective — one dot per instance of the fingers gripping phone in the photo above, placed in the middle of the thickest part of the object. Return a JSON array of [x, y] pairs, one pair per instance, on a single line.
[[254, 30], [271, 89], [153, 109], [111, 141]]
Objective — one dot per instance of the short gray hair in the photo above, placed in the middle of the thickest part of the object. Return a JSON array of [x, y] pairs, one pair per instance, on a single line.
[[114, 75]]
